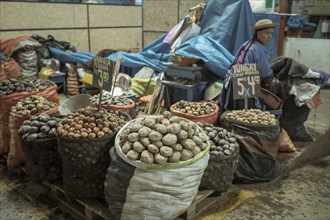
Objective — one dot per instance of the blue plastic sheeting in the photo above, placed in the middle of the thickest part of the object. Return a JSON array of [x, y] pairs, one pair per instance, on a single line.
[[216, 57], [228, 22], [225, 27], [272, 45]]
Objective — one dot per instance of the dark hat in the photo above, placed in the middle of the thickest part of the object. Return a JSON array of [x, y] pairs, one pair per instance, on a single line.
[[264, 23]]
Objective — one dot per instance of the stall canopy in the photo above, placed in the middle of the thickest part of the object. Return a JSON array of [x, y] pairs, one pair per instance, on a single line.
[[225, 25]]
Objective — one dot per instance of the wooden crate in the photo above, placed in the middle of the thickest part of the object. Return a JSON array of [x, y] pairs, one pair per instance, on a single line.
[[88, 209]]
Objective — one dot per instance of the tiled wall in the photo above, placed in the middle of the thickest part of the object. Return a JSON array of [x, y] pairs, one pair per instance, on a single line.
[[160, 16], [93, 27], [90, 27]]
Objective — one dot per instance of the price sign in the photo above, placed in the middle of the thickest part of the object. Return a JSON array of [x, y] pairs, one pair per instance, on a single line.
[[102, 73], [246, 81]]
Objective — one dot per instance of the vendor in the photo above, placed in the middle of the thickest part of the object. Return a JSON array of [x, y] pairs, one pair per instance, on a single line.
[[252, 51]]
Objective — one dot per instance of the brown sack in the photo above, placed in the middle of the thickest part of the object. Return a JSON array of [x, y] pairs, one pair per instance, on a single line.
[[50, 94], [12, 69], [6, 102], [286, 145], [3, 75], [16, 153]]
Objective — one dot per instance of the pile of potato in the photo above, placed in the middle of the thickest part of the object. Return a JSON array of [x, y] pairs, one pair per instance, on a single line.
[[167, 139], [108, 99], [222, 143], [91, 123], [203, 108], [252, 116], [32, 105], [38, 127], [14, 85]]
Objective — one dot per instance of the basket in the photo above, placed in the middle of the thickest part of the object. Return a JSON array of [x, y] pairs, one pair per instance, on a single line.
[[209, 118], [43, 161], [184, 61], [129, 109], [85, 162], [219, 174]]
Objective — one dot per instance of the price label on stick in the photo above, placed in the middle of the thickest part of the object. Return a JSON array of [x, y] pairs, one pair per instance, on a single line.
[[246, 81], [102, 73]]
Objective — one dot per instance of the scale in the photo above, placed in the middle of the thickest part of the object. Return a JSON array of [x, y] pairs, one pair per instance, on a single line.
[[187, 72]]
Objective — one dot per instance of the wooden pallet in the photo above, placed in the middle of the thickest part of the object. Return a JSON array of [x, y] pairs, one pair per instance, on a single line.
[[88, 209]]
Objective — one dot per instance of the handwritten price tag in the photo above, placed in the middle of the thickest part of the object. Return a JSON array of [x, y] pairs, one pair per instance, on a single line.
[[246, 81], [102, 73]]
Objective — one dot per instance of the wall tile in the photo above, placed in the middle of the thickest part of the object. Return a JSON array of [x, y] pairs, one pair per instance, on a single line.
[[115, 38], [20, 15], [114, 15]]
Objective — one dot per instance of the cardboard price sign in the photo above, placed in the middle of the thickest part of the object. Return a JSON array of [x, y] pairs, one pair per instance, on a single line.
[[102, 73], [246, 81]]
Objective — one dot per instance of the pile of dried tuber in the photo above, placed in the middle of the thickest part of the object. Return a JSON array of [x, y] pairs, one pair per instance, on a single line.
[[223, 143], [252, 116], [38, 127], [167, 139], [91, 123], [108, 99], [14, 85], [203, 108], [32, 105]]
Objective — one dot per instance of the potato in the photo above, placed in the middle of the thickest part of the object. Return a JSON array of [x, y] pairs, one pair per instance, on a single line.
[[167, 114], [126, 147], [177, 147], [188, 144], [149, 122], [132, 137], [155, 136], [196, 151], [132, 155], [147, 157], [175, 119], [174, 128], [165, 122], [184, 125], [169, 139], [183, 135], [134, 127], [197, 140], [145, 141], [166, 151], [144, 131], [204, 146], [161, 128], [153, 148], [186, 155], [138, 147], [158, 144], [191, 133], [160, 159], [176, 156]]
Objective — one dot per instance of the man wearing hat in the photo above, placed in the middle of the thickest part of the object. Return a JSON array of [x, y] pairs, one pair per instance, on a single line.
[[252, 51]]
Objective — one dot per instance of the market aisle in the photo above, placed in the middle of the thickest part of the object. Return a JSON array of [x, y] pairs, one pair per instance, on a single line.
[[305, 195]]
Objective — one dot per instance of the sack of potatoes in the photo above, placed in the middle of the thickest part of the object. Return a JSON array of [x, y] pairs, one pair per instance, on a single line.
[[161, 140]]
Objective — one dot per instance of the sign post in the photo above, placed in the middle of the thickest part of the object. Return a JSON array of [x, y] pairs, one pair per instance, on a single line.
[[102, 75], [246, 82]]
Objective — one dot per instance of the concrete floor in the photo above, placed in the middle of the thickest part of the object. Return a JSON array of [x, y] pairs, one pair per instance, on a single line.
[[303, 195]]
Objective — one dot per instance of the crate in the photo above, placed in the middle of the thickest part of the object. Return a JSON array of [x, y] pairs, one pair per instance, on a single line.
[[88, 209], [175, 92]]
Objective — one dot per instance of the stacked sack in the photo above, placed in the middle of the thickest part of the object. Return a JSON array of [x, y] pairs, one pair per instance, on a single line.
[[72, 81], [156, 167], [21, 111], [39, 142]]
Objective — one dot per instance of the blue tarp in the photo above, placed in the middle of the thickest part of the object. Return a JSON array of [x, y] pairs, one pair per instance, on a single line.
[[225, 25]]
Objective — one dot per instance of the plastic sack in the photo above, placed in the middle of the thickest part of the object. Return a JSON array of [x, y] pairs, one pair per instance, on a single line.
[[28, 61], [134, 193], [50, 94], [256, 160], [296, 21], [189, 32], [286, 145], [16, 154], [3, 75]]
